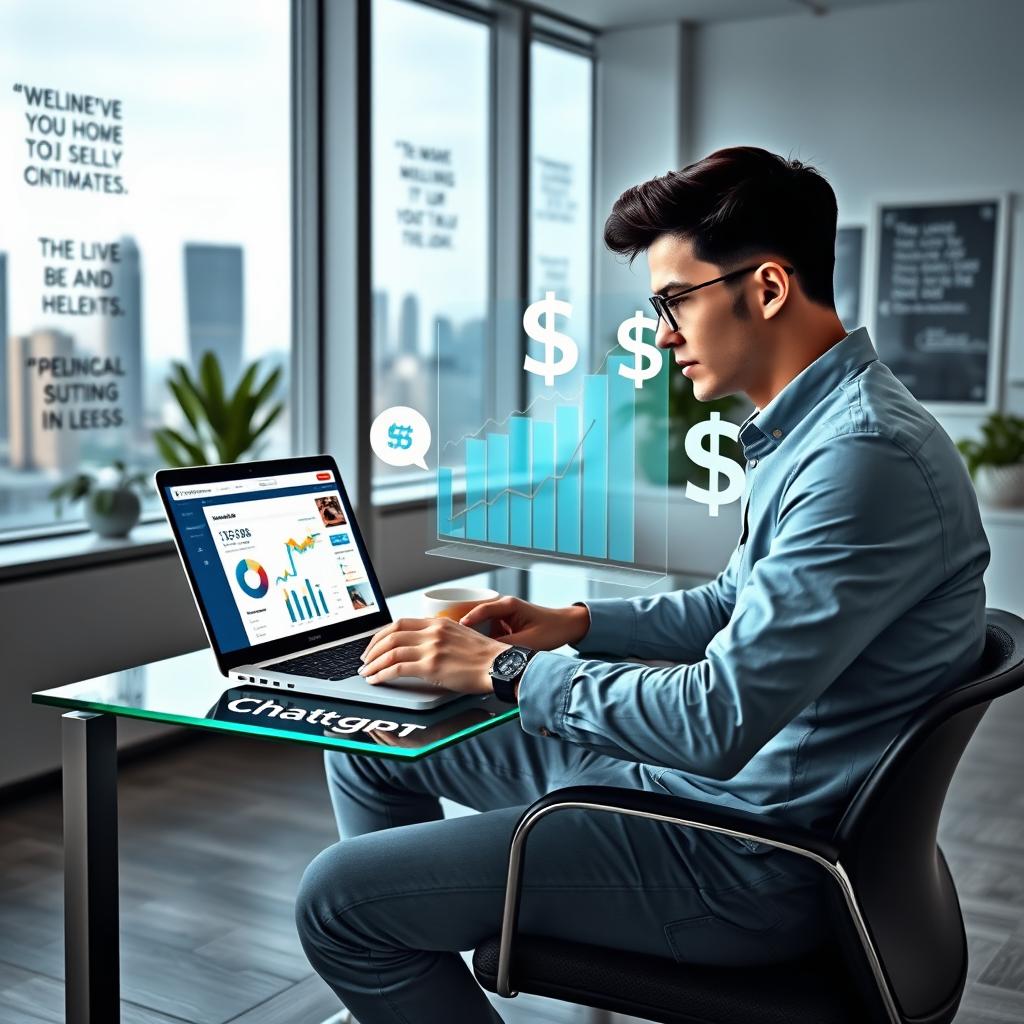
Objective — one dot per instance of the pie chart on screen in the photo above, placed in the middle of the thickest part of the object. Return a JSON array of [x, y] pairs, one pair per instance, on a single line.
[[252, 578]]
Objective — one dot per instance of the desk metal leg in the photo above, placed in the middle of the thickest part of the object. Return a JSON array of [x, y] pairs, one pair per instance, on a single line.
[[91, 959]]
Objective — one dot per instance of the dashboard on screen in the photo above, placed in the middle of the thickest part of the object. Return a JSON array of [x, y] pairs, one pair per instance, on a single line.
[[272, 557]]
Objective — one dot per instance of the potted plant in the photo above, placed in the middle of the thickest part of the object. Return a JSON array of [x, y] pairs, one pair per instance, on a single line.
[[112, 504], [996, 463], [222, 427]]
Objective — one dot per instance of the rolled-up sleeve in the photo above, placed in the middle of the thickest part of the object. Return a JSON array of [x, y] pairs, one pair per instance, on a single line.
[[842, 566]]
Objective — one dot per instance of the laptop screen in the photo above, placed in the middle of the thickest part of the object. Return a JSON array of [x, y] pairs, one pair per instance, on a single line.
[[272, 557]]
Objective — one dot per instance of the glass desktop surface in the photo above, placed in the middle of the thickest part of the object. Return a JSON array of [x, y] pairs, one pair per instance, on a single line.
[[189, 690]]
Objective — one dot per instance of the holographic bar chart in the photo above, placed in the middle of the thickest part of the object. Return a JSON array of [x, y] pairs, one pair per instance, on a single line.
[[564, 484]]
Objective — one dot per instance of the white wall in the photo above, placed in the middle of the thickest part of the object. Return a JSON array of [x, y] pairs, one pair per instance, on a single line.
[[919, 98], [642, 97]]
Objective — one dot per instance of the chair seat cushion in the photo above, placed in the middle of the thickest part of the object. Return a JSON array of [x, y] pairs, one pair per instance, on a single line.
[[812, 990]]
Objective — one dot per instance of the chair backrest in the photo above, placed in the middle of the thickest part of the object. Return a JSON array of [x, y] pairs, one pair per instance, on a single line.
[[887, 837]]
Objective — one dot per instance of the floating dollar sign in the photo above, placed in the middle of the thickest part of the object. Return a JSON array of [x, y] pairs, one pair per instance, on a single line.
[[631, 338], [555, 343], [400, 436], [711, 460]]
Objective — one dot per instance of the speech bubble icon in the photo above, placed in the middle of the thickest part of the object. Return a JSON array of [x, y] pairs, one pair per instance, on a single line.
[[400, 436]]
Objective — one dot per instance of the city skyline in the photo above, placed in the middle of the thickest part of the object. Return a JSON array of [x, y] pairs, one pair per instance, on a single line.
[[40, 438]]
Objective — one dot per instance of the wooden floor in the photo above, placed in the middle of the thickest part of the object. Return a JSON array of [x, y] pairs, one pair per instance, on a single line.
[[215, 835]]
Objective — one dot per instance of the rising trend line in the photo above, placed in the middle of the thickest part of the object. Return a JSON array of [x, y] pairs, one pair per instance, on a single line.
[[515, 412], [522, 412], [530, 496], [291, 546]]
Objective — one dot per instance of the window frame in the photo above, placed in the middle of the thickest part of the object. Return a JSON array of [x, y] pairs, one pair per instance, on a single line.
[[514, 28]]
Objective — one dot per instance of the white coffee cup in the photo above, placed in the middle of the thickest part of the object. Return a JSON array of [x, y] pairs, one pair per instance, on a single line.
[[454, 602]]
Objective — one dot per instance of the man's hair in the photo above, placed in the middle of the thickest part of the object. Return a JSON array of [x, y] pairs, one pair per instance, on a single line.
[[733, 204]]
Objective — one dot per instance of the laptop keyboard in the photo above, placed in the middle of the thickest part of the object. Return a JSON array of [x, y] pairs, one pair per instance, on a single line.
[[331, 663]]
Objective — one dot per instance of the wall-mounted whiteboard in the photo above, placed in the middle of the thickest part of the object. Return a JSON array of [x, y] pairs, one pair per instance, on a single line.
[[938, 286]]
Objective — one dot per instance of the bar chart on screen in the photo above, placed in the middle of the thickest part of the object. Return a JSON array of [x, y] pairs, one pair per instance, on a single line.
[[305, 605], [560, 479]]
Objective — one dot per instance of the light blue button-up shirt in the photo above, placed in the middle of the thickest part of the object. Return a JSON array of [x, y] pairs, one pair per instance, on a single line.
[[855, 593]]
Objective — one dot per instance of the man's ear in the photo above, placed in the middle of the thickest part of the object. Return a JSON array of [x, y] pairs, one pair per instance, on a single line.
[[773, 286]]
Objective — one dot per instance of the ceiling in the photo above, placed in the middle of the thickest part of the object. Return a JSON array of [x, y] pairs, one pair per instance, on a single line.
[[606, 14]]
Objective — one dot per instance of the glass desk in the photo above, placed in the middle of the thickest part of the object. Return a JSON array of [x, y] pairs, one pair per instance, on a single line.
[[190, 691]]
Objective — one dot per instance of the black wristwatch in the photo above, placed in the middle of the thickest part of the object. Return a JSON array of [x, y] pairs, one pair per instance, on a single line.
[[505, 671]]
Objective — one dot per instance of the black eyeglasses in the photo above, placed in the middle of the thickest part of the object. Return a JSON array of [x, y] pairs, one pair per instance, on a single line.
[[663, 303]]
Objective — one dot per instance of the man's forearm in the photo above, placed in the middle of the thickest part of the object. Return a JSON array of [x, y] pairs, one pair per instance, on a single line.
[[578, 625]]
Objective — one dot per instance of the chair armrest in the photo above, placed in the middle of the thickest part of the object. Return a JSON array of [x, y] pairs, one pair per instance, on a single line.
[[681, 810], [665, 807]]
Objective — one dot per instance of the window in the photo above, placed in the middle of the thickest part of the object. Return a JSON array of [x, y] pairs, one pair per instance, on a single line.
[[561, 193], [145, 189], [431, 181]]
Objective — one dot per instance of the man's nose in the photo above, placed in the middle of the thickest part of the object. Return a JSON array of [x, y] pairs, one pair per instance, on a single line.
[[665, 337]]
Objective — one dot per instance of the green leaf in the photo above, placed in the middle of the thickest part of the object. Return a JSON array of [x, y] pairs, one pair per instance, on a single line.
[[188, 402], [168, 451], [71, 490], [268, 387], [103, 501], [243, 390], [189, 449], [212, 381], [266, 424]]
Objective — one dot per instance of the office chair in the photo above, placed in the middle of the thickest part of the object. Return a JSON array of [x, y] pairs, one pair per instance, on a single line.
[[899, 951]]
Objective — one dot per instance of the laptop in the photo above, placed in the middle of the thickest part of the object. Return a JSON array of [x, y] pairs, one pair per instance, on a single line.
[[281, 578]]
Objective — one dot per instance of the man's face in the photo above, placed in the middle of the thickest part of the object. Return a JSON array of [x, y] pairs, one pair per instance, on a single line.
[[720, 346]]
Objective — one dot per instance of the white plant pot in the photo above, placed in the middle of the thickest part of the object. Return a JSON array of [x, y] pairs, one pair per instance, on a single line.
[[1000, 486]]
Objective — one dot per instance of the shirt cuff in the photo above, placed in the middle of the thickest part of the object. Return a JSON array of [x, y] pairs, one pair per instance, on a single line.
[[544, 689], [612, 626]]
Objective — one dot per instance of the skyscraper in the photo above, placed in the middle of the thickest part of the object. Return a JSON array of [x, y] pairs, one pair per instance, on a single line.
[[122, 335], [41, 434], [214, 302], [409, 326]]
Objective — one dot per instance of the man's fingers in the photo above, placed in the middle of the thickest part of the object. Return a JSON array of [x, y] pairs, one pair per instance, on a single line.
[[403, 638], [396, 655], [489, 610], [389, 630], [405, 668]]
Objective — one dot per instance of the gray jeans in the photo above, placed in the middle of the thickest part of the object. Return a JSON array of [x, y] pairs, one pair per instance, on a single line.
[[383, 913]]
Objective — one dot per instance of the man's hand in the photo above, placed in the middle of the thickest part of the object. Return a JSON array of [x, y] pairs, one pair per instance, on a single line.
[[530, 625], [432, 649]]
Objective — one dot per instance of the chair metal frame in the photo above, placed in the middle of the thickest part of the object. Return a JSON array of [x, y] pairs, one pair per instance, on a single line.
[[560, 801]]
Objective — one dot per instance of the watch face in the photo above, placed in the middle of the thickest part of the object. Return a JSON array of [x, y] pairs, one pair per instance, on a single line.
[[510, 662]]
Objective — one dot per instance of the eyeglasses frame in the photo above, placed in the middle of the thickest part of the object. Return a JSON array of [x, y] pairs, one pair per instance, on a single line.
[[660, 302]]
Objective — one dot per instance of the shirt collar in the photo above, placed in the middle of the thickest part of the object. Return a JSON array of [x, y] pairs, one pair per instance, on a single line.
[[764, 429]]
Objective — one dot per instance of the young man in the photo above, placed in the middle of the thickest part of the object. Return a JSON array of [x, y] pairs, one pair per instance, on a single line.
[[854, 594]]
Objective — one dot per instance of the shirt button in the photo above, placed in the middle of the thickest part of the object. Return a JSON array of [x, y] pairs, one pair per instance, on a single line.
[[544, 732], [753, 463], [776, 432]]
